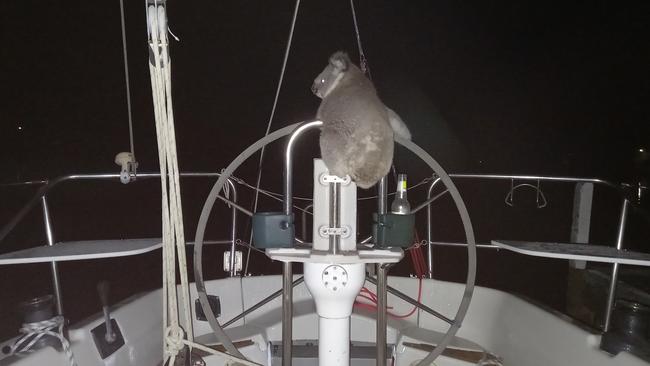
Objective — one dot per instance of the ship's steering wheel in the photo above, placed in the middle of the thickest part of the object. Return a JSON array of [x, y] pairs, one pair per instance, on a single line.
[[409, 145]]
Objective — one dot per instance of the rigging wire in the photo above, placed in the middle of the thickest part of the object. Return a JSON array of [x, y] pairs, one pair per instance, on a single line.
[[126, 79], [276, 195], [270, 122], [363, 62]]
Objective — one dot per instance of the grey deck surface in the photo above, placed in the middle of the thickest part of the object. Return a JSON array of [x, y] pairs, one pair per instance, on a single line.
[[80, 250], [584, 252]]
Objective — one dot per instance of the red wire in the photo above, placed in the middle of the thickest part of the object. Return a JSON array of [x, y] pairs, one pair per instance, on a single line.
[[365, 306], [421, 260], [366, 297], [369, 299], [414, 261], [423, 265], [417, 257], [365, 290], [373, 306], [414, 307], [419, 265]]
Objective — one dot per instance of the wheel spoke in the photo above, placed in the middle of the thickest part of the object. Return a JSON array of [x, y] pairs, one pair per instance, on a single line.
[[429, 201], [412, 301]]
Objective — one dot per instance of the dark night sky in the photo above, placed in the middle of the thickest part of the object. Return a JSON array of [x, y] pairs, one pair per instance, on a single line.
[[522, 87], [501, 87]]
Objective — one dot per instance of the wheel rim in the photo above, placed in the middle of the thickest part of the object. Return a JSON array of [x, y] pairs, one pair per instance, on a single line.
[[409, 145]]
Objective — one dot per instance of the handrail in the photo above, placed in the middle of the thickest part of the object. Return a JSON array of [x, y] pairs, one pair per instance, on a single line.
[[287, 270], [543, 178], [40, 197], [25, 183], [538, 177], [627, 202], [617, 187], [50, 184]]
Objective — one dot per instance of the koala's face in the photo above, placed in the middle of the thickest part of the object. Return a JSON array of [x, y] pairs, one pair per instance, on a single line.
[[329, 78], [325, 81]]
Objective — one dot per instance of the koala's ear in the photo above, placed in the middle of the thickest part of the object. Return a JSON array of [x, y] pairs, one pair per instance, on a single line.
[[340, 61]]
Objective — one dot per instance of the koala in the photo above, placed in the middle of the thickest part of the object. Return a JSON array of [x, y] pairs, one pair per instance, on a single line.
[[357, 137]]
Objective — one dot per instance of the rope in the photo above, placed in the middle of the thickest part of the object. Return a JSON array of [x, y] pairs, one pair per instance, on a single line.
[[172, 213], [176, 338], [268, 125], [176, 341], [126, 79], [235, 359], [363, 62], [33, 332]]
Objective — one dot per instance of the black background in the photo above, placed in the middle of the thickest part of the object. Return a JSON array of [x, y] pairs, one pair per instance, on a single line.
[[497, 87]]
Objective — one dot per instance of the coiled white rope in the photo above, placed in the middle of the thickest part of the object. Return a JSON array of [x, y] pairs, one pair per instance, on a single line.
[[33, 332], [176, 336]]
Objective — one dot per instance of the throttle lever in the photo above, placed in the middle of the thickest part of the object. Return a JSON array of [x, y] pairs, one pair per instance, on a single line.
[[103, 288]]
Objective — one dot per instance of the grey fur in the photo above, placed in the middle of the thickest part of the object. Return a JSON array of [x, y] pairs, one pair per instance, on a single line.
[[357, 138], [398, 126]]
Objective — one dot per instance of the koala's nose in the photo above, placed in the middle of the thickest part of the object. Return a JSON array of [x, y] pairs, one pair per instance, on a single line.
[[313, 89]]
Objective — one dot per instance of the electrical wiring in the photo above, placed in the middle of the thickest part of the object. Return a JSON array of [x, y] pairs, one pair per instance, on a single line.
[[419, 265]]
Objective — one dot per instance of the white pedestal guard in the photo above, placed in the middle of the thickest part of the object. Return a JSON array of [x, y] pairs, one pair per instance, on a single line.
[[334, 279], [334, 288]]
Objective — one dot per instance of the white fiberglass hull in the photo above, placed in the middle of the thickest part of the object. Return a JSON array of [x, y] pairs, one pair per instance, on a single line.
[[520, 333]]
